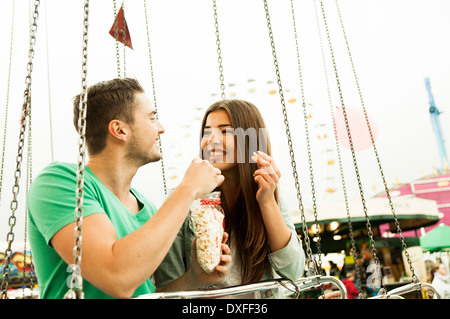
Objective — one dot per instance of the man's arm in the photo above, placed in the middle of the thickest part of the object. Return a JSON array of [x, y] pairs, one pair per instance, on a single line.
[[106, 260]]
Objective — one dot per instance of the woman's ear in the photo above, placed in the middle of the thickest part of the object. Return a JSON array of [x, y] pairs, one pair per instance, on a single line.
[[118, 130]]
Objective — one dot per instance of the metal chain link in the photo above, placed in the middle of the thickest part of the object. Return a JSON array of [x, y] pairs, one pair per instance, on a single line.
[[311, 264], [76, 284], [23, 121], [219, 52], [355, 164], [154, 95], [397, 223], [341, 169]]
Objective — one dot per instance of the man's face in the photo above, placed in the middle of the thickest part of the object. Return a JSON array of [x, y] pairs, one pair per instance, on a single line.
[[144, 140]]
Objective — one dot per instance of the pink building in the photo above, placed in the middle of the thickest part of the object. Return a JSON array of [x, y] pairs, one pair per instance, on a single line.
[[435, 188]]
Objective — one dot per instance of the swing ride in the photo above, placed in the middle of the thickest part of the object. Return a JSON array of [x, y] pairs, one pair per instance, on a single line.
[[314, 278]]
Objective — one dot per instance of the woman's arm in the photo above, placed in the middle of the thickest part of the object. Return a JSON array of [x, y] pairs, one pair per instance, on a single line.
[[267, 176], [287, 256]]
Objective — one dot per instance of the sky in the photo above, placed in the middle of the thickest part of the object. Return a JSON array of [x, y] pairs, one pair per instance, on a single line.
[[394, 46]]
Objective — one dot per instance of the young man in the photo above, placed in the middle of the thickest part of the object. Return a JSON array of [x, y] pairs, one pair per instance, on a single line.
[[124, 238]]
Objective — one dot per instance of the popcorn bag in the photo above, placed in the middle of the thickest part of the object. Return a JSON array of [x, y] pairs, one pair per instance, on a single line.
[[207, 216]]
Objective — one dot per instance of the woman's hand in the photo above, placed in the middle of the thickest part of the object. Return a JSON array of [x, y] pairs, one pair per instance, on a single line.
[[199, 276], [267, 176]]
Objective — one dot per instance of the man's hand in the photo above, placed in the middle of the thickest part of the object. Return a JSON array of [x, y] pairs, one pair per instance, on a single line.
[[202, 177]]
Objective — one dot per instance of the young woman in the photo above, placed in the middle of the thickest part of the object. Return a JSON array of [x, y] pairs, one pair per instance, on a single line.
[[440, 280], [263, 241]]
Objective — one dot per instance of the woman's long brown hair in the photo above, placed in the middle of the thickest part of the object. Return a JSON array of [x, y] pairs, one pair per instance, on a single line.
[[245, 224], [433, 269]]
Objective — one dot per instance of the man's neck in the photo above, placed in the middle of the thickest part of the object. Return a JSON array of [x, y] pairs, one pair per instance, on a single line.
[[116, 174]]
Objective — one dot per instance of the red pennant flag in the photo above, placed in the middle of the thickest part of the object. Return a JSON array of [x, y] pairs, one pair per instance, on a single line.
[[121, 22]]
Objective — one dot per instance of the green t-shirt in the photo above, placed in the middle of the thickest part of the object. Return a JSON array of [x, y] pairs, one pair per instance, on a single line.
[[51, 206]]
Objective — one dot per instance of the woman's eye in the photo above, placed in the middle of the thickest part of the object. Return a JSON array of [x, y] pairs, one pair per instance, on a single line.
[[228, 131]]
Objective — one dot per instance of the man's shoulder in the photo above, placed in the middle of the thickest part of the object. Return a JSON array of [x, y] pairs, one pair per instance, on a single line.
[[55, 173], [59, 167]]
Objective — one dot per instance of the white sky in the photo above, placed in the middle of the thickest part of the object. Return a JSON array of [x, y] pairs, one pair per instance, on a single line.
[[394, 45]]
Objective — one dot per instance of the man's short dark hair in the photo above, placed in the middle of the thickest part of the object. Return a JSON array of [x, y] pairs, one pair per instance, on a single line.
[[106, 101]]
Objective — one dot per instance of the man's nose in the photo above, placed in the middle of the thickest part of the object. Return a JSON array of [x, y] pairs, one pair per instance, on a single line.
[[160, 127]]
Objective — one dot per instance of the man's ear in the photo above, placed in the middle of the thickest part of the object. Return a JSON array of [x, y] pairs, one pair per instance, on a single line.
[[117, 129]]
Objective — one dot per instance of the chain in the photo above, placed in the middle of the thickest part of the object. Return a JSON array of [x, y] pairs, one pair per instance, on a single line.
[[116, 36], [341, 169], [154, 95], [28, 183], [5, 130], [355, 164], [397, 224], [124, 33], [291, 150], [23, 121], [308, 145], [219, 51], [76, 278], [48, 84]]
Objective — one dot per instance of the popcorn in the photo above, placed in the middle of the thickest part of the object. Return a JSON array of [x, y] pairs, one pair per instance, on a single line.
[[207, 216]]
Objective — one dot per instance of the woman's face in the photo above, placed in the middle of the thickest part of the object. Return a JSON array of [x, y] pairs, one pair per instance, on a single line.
[[442, 270], [218, 141]]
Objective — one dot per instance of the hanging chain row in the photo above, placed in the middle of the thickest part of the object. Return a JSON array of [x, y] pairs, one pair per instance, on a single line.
[[7, 106], [5, 128], [308, 144], [26, 108], [76, 284], [311, 263], [397, 224], [341, 169], [355, 164], [219, 52]]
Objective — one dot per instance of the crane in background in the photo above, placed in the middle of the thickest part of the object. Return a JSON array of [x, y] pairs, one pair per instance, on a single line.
[[434, 114]]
